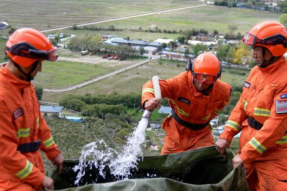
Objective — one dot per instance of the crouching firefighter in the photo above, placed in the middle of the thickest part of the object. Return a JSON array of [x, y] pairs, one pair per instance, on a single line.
[[24, 131], [195, 97]]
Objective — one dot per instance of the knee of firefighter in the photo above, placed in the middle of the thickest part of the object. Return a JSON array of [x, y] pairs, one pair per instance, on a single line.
[[15, 185]]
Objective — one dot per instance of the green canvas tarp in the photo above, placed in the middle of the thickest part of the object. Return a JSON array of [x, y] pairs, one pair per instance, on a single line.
[[201, 169]]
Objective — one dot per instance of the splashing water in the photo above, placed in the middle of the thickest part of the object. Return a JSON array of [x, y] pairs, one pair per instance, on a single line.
[[97, 154]]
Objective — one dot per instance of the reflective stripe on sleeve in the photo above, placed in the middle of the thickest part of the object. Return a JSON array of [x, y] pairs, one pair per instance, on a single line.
[[150, 90], [257, 145], [26, 171], [49, 142], [234, 125], [261, 112], [23, 132], [282, 140]]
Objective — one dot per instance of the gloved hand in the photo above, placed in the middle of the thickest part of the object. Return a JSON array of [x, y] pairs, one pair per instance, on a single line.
[[48, 183], [59, 162], [221, 145], [151, 104]]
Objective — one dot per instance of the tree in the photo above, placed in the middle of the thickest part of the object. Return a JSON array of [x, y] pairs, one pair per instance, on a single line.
[[11, 31], [39, 92], [222, 51], [283, 19], [241, 54], [141, 51], [181, 39], [199, 48]]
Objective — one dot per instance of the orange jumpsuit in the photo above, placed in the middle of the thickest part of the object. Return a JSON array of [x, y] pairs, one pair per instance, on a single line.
[[263, 151], [21, 122], [190, 106]]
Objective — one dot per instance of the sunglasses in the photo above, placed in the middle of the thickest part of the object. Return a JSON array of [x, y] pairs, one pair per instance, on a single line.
[[203, 78], [252, 40], [28, 51]]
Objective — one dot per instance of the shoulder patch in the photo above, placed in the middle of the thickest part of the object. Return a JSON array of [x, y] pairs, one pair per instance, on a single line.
[[246, 84], [281, 106], [17, 113], [283, 96], [184, 100]]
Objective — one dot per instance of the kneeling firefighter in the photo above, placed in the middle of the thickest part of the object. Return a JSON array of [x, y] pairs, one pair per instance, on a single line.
[[195, 97]]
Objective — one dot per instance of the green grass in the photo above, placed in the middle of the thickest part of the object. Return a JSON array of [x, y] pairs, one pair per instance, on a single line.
[[62, 74], [209, 18], [2, 49], [58, 13], [130, 81]]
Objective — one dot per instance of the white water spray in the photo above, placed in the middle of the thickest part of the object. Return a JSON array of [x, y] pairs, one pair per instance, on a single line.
[[97, 154], [120, 164]]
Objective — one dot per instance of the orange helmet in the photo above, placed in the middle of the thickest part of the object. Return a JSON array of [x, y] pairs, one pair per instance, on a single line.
[[206, 67], [26, 46], [269, 34]]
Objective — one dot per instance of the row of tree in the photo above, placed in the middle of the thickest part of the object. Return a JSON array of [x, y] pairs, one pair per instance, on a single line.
[[94, 45]]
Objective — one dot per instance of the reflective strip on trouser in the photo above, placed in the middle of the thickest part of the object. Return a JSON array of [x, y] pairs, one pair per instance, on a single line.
[[261, 112], [150, 90], [257, 145], [23, 132], [206, 118], [217, 111], [234, 125], [26, 171], [283, 140], [38, 122], [49, 142], [182, 112]]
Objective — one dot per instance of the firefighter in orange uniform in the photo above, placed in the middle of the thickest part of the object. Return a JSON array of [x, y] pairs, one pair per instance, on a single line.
[[23, 129], [196, 97], [261, 112]]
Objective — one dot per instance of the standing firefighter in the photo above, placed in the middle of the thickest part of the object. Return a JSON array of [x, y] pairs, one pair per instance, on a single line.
[[261, 112], [195, 97], [23, 129]]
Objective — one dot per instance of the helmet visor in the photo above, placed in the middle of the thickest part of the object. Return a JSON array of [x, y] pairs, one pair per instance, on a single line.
[[203, 78], [252, 40], [28, 51], [249, 39]]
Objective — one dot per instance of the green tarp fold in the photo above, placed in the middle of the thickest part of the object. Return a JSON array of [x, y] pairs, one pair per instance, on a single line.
[[201, 169]]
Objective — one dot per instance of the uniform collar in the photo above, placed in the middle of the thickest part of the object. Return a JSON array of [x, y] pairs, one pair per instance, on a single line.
[[12, 79], [274, 66]]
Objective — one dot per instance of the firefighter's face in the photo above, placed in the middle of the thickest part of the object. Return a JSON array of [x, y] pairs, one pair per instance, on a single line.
[[201, 86], [259, 55]]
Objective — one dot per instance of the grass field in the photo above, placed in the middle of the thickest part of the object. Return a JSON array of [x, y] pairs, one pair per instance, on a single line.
[[62, 74], [53, 13], [2, 49], [124, 83]]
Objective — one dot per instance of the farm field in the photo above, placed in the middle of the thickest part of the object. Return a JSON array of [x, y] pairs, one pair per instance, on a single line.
[[130, 81], [54, 13], [62, 74]]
